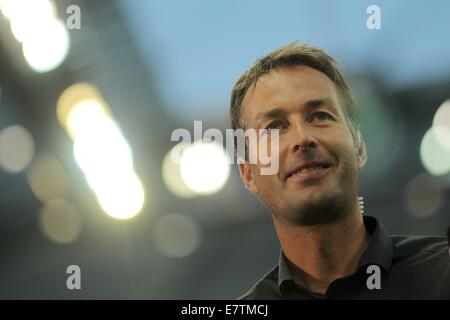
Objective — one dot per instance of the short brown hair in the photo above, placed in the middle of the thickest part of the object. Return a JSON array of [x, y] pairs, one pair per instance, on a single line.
[[294, 54]]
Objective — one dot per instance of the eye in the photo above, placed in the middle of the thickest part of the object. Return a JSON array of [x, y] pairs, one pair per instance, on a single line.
[[322, 116], [275, 125]]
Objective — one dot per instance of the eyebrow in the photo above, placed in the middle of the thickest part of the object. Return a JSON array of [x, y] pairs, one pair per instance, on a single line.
[[316, 103], [309, 105], [275, 112]]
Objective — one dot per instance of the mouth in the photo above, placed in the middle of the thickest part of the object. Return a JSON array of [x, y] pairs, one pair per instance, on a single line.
[[310, 170]]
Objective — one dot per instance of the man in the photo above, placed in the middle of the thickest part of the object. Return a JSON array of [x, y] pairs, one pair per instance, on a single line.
[[329, 249]]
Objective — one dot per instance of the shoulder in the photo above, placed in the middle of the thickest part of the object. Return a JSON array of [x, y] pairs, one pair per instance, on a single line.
[[421, 250], [422, 262], [410, 245], [262, 288]]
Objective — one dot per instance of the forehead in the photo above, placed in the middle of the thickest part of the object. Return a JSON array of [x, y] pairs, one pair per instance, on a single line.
[[285, 88]]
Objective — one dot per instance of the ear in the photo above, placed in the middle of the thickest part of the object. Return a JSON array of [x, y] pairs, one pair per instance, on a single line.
[[361, 152], [246, 171]]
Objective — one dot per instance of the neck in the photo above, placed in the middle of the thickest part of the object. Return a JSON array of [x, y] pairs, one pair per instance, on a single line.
[[320, 254]]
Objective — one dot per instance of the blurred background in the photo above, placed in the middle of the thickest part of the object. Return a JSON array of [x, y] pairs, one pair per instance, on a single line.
[[87, 109]]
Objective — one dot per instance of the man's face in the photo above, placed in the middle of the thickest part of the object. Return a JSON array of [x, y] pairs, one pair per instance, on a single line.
[[318, 161]]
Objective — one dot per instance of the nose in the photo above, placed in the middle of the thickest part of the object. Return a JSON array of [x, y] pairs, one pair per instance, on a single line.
[[302, 137]]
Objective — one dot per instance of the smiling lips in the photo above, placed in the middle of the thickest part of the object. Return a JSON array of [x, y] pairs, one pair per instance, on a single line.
[[311, 169]]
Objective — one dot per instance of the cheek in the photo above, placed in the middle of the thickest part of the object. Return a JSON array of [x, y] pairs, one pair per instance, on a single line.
[[347, 153], [266, 151], [341, 147], [266, 182]]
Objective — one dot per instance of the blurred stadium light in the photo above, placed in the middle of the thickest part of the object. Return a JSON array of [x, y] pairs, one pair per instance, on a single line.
[[204, 167], [423, 196], [434, 155], [44, 166], [441, 121], [177, 235], [60, 221], [435, 147], [101, 151], [16, 148], [44, 37], [171, 173]]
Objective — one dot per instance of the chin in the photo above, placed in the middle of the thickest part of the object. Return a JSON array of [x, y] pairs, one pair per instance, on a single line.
[[318, 211]]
